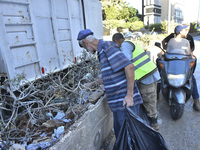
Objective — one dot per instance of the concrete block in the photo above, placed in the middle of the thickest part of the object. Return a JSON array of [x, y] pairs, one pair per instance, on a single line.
[[90, 131], [95, 96]]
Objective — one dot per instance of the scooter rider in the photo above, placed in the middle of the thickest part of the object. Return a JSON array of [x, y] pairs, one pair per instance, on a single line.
[[146, 74], [181, 31]]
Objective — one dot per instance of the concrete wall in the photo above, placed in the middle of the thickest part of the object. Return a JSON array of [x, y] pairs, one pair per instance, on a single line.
[[89, 132]]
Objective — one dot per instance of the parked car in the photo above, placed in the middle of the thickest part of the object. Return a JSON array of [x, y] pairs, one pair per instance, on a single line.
[[152, 33], [136, 35], [128, 35], [132, 35]]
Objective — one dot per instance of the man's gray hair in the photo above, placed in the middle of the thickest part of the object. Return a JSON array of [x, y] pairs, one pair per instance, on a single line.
[[81, 43], [89, 38]]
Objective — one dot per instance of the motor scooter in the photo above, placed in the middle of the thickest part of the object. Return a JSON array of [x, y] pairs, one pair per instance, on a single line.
[[176, 68]]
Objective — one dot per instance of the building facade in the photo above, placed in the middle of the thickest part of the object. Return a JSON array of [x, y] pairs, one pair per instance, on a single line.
[[152, 11], [177, 10], [180, 11]]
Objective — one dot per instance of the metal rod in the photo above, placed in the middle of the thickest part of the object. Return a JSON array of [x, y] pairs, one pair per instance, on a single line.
[[169, 15]]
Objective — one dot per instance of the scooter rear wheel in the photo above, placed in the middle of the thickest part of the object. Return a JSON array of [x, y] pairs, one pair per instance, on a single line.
[[176, 110]]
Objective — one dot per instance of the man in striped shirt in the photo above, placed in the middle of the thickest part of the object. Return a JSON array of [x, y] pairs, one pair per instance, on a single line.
[[117, 74]]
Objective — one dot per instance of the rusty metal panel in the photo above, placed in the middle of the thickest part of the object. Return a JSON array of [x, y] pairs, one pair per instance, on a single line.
[[64, 35], [15, 13], [61, 9], [24, 55], [21, 45], [31, 71], [93, 17], [19, 35], [63, 23], [76, 22], [46, 40], [38, 35], [62, 31], [41, 8], [66, 52]]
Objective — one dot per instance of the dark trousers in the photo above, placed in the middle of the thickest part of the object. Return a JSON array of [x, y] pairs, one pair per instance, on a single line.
[[119, 118], [195, 93]]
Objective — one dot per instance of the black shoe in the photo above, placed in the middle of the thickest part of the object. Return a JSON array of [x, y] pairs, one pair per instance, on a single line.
[[154, 122]]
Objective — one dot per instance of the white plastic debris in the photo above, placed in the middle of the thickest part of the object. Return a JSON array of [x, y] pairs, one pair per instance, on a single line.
[[43, 135], [41, 145], [33, 146], [57, 132], [66, 120], [49, 114], [88, 76], [60, 115], [17, 147], [83, 96], [44, 145]]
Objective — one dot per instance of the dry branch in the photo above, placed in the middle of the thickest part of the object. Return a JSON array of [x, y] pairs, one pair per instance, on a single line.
[[24, 110]]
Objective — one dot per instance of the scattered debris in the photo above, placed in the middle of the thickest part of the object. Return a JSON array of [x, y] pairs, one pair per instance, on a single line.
[[36, 114], [17, 147]]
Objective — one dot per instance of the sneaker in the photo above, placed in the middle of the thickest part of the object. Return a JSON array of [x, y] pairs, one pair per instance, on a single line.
[[154, 123]]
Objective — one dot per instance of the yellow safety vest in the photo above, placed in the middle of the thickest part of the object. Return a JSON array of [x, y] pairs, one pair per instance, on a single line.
[[143, 65]]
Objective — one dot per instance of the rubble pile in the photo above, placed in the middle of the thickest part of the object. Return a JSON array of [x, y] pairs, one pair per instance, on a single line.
[[34, 115]]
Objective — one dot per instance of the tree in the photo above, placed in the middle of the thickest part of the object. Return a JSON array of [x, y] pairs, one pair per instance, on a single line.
[[111, 12], [124, 12], [111, 24], [128, 13], [164, 26], [137, 25], [117, 13], [133, 14], [106, 3]]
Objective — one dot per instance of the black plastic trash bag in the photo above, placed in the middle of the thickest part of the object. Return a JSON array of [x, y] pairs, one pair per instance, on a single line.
[[143, 115], [136, 135]]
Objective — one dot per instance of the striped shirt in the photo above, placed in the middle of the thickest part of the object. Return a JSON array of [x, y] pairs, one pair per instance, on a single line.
[[112, 62]]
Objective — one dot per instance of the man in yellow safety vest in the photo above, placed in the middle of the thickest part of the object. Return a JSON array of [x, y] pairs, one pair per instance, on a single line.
[[146, 75]]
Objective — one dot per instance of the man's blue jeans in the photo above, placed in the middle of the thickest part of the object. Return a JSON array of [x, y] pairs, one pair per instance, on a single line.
[[195, 93], [119, 118]]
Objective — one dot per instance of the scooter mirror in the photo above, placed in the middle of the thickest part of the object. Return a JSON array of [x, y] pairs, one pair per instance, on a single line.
[[158, 44]]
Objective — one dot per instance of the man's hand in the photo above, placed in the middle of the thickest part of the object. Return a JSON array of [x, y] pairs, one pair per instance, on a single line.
[[128, 101], [160, 54], [130, 77]]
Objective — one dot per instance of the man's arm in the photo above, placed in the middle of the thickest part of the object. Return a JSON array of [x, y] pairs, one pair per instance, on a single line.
[[127, 49], [130, 77], [166, 40], [164, 44]]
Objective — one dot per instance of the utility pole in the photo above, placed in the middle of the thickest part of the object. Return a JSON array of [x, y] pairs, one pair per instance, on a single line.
[[143, 10], [169, 16], [198, 16]]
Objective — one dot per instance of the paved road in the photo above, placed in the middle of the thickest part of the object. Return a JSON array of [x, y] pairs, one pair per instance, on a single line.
[[182, 134]]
